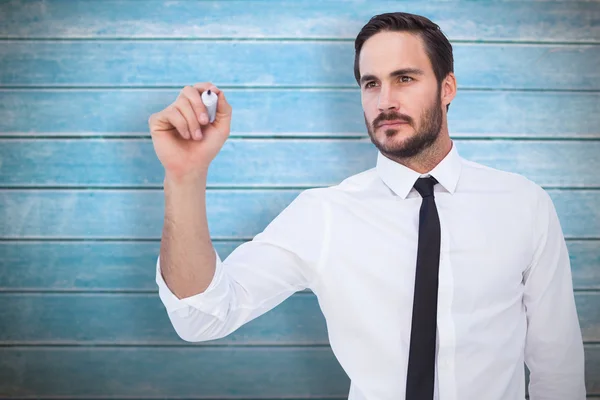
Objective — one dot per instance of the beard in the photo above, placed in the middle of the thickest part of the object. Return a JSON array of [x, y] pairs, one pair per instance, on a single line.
[[429, 127]]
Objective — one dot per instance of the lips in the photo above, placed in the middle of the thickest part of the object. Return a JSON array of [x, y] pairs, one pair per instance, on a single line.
[[392, 123]]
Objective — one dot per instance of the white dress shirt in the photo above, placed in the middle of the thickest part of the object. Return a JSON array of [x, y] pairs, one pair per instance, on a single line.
[[505, 287]]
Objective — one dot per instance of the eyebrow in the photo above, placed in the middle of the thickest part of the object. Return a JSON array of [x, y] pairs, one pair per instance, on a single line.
[[396, 73]]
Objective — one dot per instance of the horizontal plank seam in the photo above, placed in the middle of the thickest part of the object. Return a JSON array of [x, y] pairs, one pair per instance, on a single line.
[[219, 188], [8, 292], [361, 138], [215, 239], [203, 345], [590, 345], [151, 292], [226, 187], [278, 39], [296, 136], [272, 88], [157, 239], [100, 240], [226, 397]]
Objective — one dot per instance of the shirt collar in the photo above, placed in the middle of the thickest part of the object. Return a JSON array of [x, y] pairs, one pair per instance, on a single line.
[[401, 179]]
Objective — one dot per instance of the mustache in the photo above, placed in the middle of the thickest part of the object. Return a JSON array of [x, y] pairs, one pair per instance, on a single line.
[[392, 116]]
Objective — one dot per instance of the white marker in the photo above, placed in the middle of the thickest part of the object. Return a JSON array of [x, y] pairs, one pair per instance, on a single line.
[[210, 101]]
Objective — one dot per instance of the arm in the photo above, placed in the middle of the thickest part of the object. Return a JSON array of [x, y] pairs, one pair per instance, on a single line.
[[258, 275], [186, 251], [554, 347], [204, 297]]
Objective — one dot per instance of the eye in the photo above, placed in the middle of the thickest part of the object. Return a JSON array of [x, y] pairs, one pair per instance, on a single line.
[[405, 79], [370, 84]]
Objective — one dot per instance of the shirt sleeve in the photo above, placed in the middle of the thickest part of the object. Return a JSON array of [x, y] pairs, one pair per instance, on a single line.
[[257, 276], [554, 350]]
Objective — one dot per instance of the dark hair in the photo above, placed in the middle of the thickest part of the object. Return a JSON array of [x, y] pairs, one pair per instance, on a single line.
[[437, 46]]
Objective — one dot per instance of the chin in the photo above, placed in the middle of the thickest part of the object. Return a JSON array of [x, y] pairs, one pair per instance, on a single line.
[[395, 135], [393, 140], [393, 143]]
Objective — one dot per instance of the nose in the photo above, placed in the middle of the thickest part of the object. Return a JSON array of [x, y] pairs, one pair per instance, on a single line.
[[386, 99]]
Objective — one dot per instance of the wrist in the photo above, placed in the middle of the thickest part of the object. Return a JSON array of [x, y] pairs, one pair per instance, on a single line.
[[186, 179]]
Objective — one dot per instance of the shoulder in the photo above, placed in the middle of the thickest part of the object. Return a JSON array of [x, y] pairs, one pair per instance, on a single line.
[[515, 191], [356, 187], [500, 181], [358, 182]]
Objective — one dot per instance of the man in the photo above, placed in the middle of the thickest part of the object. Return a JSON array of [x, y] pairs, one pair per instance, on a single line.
[[438, 277]]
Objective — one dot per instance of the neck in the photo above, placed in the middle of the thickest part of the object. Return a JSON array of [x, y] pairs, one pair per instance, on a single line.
[[429, 158]]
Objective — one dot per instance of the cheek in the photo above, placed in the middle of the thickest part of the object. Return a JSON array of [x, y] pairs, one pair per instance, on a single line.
[[369, 105], [414, 99]]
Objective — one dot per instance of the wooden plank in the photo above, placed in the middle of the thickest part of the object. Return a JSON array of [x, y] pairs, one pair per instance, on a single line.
[[269, 162], [193, 372], [86, 265], [276, 112], [259, 63], [585, 263], [138, 214], [588, 309], [93, 266], [129, 214], [521, 21], [140, 319], [232, 373]]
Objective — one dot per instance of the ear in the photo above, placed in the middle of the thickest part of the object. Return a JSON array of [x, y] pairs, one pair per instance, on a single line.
[[448, 90]]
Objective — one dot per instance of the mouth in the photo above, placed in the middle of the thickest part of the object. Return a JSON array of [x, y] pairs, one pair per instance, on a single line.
[[388, 124]]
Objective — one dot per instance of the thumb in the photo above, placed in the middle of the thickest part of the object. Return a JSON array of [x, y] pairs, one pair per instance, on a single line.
[[223, 107], [222, 120]]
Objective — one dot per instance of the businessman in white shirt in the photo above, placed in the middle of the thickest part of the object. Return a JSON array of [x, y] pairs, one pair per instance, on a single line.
[[439, 278]]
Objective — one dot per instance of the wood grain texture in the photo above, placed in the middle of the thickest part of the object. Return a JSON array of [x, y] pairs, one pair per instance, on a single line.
[[271, 162], [118, 266], [79, 311], [138, 214], [285, 112], [90, 266], [486, 20], [232, 373], [282, 63], [141, 319], [192, 372]]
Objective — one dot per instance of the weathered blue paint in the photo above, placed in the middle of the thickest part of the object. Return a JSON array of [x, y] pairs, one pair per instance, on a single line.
[[81, 216]]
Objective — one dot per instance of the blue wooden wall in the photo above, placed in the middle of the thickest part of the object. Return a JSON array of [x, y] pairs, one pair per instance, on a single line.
[[81, 201]]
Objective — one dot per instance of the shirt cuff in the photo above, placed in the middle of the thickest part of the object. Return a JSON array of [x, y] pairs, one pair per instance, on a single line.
[[210, 301]]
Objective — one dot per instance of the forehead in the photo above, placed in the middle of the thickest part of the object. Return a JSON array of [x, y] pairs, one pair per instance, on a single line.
[[387, 51]]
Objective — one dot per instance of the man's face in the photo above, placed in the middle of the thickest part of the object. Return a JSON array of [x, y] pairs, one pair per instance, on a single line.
[[400, 94]]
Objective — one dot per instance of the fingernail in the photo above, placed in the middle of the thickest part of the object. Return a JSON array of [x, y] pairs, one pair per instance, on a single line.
[[198, 134], [204, 118]]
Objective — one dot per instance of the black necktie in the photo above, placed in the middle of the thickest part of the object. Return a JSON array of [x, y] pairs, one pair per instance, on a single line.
[[421, 358]]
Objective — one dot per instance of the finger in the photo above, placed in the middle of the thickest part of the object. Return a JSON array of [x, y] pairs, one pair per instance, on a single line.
[[223, 106], [193, 96], [203, 86], [213, 88], [178, 121], [185, 108]]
